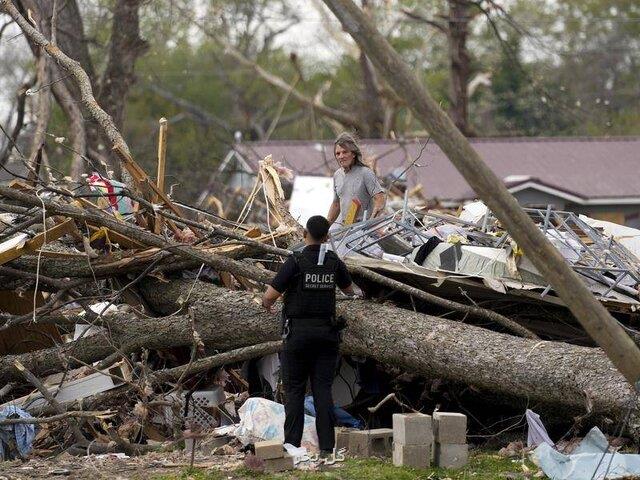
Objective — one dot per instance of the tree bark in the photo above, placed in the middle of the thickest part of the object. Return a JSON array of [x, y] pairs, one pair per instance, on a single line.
[[540, 371], [460, 62], [36, 152], [78, 132], [373, 109], [125, 48], [595, 319]]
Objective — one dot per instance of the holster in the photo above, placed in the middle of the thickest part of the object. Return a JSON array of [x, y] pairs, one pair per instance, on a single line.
[[285, 327]]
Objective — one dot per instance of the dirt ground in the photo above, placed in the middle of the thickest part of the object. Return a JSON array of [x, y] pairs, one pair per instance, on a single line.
[[94, 467]]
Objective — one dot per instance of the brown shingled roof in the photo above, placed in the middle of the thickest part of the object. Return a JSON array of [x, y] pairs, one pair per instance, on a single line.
[[590, 168]]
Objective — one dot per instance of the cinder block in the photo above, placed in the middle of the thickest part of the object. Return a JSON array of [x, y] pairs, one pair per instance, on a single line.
[[449, 455], [412, 429], [371, 443], [274, 465], [415, 456], [342, 437], [450, 427], [269, 449]]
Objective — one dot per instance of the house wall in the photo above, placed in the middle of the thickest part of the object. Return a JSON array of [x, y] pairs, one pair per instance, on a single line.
[[535, 198], [628, 215]]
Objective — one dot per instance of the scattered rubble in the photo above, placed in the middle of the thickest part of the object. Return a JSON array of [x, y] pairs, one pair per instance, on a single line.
[[141, 325]]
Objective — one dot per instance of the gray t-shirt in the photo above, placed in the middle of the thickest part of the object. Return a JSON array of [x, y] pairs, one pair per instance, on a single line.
[[359, 182]]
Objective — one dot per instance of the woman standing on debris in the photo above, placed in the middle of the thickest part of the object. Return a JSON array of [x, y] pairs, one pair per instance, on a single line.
[[356, 188]]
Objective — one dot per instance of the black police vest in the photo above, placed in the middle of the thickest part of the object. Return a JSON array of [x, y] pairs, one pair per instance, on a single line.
[[313, 295]]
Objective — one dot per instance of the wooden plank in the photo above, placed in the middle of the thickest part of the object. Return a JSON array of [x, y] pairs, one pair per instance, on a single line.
[[37, 241], [148, 187], [115, 237], [23, 339], [162, 156]]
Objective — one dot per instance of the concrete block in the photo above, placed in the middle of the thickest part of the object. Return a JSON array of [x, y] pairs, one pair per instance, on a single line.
[[412, 429], [342, 437], [415, 456], [449, 455], [269, 449], [282, 464], [371, 443], [450, 427]]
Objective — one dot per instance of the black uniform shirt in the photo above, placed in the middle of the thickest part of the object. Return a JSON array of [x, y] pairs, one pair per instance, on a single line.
[[285, 278]]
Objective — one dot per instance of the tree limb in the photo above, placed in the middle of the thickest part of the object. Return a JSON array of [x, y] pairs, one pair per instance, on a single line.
[[11, 141], [54, 418], [78, 73]]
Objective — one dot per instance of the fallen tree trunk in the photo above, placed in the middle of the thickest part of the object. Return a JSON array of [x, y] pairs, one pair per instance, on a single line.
[[549, 372]]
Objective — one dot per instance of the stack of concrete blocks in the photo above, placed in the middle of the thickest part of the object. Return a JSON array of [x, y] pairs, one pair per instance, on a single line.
[[274, 456], [412, 440], [451, 449], [371, 443]]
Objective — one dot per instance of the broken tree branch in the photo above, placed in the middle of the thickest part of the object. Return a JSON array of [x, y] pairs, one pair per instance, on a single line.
[[204, 364], [33, 380], [55, 418], [97, 217]]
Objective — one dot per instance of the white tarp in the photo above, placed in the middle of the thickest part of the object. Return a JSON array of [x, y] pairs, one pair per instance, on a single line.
[[587, 462], [310, 196], [262, 419]]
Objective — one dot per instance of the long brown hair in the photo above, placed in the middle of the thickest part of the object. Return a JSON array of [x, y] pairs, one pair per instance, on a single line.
[[348, 142]]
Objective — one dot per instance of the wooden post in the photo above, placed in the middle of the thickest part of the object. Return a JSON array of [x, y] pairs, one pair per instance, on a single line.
[[591, 314], [162, 156]]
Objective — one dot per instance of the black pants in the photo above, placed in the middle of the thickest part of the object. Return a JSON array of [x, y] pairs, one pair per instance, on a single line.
[[309, 353]]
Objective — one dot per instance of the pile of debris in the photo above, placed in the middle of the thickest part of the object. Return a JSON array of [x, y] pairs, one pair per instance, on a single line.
[[130, 322]]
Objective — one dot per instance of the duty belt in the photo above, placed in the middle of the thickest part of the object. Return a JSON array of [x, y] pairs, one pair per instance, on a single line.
[[310, 322]]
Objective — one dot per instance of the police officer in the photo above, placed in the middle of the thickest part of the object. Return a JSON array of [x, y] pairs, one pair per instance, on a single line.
[[311, 337]]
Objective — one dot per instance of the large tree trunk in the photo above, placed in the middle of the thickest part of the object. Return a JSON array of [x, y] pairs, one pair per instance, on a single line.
[[373, 110], [555, 373], [457, 31], [125, 48]]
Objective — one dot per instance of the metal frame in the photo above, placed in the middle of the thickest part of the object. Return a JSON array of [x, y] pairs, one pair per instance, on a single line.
[[599, 258]]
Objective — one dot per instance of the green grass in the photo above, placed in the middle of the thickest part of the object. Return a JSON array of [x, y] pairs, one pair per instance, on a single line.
[[482, 466]]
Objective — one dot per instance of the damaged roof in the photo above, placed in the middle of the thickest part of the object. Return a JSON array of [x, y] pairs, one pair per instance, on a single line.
[[583, 170]]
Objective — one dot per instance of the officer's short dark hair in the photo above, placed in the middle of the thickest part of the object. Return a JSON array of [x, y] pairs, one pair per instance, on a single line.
[[318, 227]]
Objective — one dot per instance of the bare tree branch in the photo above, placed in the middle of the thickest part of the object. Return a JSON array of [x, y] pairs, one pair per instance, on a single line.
[[79, 75], [13, 137], [414, 15], [198, 113]]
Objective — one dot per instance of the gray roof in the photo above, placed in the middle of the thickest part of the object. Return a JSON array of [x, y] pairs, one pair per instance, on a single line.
[[587, 168]]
